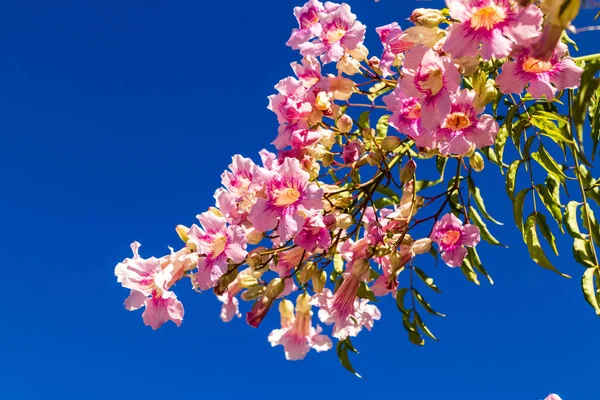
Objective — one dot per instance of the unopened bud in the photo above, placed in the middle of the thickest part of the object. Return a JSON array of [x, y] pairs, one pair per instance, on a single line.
[[486, 94], [421, 246], [327, 159], [348, 65], [319, 280], [182, 232], [476, 162], [253, 292], [275, 288], [344, 123], [248, 281], [427, 17], [215, 211], [254, 260], [303, 304], [308, 271], [345, 221], [286, 310], [368, 133], [373, 158], [253, 236], [260, 309], [467, 65], [323, 101], [224, 281], [407, 172], [390, 143], [374, 64], [360, 53]]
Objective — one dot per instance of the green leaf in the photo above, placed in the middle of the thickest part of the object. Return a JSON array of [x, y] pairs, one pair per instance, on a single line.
[[363, 119], [483, 230], [425, 304], [571, 220], [511, 177], [382, 125], [586, 89], [364, 292], [551, 204], [469, 272], [426, 279], [595, 118], [518, 209], [547, 128], [594, 230], [549, 164], [476, 193], [535, 249], [475, 262], [582, 252], [400, 294], [378, 89], [424, 327], [413, 334], [500, 144], [342, 349], [546, 232], [591, 276], [389, 192]]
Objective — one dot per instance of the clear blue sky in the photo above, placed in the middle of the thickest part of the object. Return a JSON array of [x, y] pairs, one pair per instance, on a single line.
[[117, 118]]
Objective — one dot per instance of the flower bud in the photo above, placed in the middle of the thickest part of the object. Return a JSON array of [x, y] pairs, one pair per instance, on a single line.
[[390, 143], [248, 281], [427, 17], [407, 172], [303, 304], [421, 246], [467, 65], [224, 281], [253, 292], [260, 309], [286, 310], [374, 64], [360, 53], [476, 162], [182, 232], [345, 221], [368, 133], [344, 123], [373, 158], [323, 101], [308, 271], [215, 211], [327, 159], [348, 65], [486, 94], [319, 280], [253, 236]]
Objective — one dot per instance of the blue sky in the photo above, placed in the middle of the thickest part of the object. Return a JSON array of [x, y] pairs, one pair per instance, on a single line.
[[117, 119]]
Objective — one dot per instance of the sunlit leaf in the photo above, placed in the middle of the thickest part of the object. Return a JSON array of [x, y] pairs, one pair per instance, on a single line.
[[476, 193], [518, 209], [475, 262], [483, 229], [582, 252], [511, 177], [424, 327], [571, 220], [342, 349], [551, 204], [549, 164], [546, 232], [589, 281], [535, 249], [382, 125], [426, 279], [425, 304]]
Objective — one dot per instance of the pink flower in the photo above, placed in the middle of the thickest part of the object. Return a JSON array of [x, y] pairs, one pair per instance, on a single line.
[[219, 243], [340, 33], [452, 237], [285, 264], [352, 151], [297, 336], [314, 234], [553, 397], [393, 45], [149, 287], [308, 21], [309, 73], [544, 77], [343, 309], [463, 127], [431, 79], [495, 24], [289, 198], [406, 113], [239, 182], [292, 103], [297, 135]]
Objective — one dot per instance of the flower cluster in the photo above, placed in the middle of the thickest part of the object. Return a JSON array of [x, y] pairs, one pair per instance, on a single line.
[[336, 216]]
